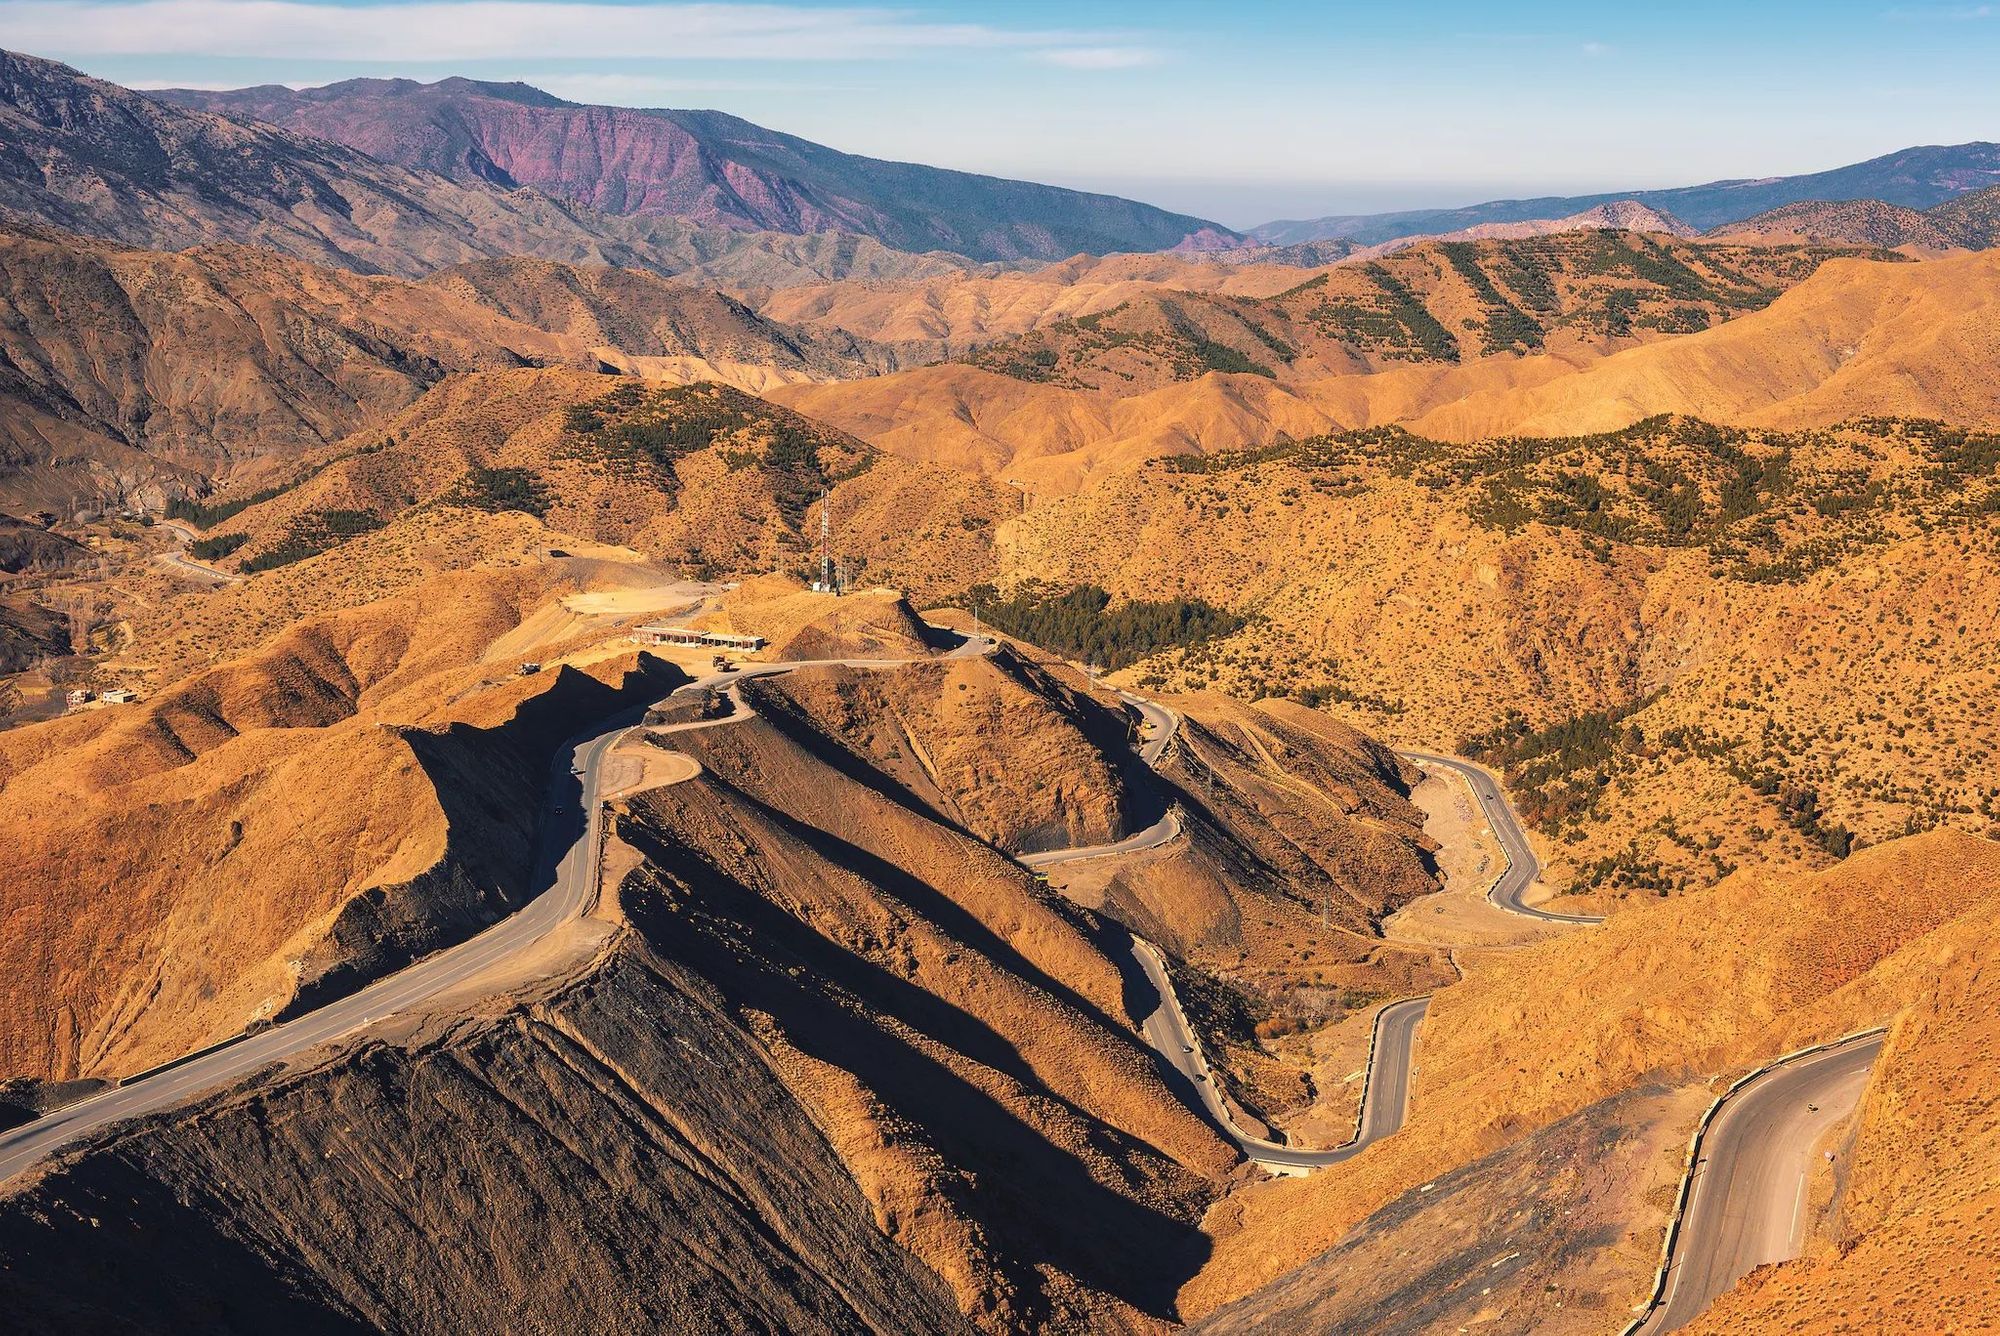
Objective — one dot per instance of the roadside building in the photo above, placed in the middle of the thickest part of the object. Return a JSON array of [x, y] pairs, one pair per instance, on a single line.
[[657, 634]]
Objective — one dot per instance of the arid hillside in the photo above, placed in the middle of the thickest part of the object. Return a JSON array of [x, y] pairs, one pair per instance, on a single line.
[[947, 315], [1437, 301], [1515, 1073], [703, 476], [1965, 223], [354, 791], [1858, 338], [135, 376], [936, 1107], [1677, 639]]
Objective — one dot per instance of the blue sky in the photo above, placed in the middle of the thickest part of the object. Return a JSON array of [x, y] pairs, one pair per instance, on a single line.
[[1240, 112]]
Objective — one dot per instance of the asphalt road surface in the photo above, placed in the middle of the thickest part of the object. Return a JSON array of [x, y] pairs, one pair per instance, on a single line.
[[1164, 831], [1385, 1099], [1748, 1204], [566, 872], [1522, 865], [181, 561], [1157, 729], [1386, 1096]]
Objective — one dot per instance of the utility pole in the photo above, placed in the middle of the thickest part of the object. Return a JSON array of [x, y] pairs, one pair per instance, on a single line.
[[826, 542], [1016, 482]]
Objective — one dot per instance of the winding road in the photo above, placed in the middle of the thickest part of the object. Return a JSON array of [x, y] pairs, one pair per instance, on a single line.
[[566, 875], [186, 564], [1522, 865], [1385, 1096], [1745, 1206], [1748, 1202]]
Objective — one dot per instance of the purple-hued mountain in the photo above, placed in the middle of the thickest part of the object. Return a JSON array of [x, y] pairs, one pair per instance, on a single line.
[[711, 169]]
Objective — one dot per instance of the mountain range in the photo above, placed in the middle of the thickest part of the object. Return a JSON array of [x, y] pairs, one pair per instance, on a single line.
[[712, 169], [1916, 178], [878, 977], [91, 157], [1968, 222]]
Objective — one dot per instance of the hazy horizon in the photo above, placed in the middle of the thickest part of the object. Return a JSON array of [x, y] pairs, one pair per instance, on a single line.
[[1272, 111]]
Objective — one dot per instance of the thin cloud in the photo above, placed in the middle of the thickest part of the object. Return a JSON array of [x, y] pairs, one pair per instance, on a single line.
[[639, 90], [470, 30], [1100, 57]]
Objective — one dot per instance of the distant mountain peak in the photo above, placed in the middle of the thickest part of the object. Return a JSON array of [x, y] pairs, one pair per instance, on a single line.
[[1919, 177], [708, 167]]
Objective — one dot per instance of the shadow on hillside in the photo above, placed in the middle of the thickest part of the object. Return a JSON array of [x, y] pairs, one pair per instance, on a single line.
[[511, 808], [1038, 1203]]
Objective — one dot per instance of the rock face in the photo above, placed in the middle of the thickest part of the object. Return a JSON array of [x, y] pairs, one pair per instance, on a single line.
[[709, 168]]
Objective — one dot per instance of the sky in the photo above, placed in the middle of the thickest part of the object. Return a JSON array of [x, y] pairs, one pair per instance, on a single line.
[[1238, 112]]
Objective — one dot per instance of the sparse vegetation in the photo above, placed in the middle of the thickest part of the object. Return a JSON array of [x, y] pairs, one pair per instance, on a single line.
[[653, 428], [1083, 623], [310, 534], [216, 547], [501, 489]]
